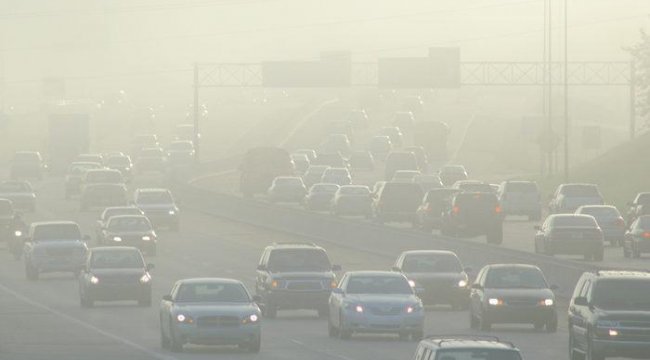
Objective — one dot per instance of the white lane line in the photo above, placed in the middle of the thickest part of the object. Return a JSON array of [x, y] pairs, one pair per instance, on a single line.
[[86, 325], [326, 353]]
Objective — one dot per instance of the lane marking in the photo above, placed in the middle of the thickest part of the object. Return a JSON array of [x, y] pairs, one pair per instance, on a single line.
[[318, 351], [86, 325]]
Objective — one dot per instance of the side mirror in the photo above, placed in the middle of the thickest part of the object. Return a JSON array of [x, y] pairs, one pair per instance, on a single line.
[[581, 301], [336, 268], [554, 287], [476, 286], [150, 267], [261, 268], [338, 291], [167, 298]]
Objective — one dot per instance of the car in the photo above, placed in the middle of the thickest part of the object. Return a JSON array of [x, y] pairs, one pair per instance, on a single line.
[[260, 166], [74, 176], [143, 141], [609, 315], [300, 162], [20, 193], [473, 214], [434, 203], [210, 311], [340, 127], [438, 275], [331, 160], [472, 186], [635, 207], [570, 234], [449, 174], [115, 274], [103, 195], [159, 206], [7, 214], [637, 237], [474, 347], [319, 196], [380, 146], [428, 182], [54, 246], [289, 189], [420, 156], [180, 153], [375, 302], [311, 153], [400, 160], [362, 161], [90, 158], [352, 200], [313, 174], [336, 143], [101, 176], [293, 276], [609, 221], [397, 202], [358, 118], [405, 176], [404, 120], [27, 164], [121, 163], [394, 133], [512, 293], [337, 175], [111, 211], [568, 197], [521, 198], [185, 132], [130, 230], [150, 159]]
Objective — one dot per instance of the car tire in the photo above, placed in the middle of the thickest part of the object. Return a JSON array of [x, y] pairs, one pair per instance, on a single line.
[[551, 325], [255, 345], [174, 344], [344, 334], [591, 353], [332, 331], [270, 311], [164, 341]]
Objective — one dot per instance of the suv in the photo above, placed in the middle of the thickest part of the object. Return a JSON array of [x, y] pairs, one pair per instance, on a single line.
[[521, 198], [295, 276], [473, 214], [609, 315], [398, 202], [569, 197], [466, 347]]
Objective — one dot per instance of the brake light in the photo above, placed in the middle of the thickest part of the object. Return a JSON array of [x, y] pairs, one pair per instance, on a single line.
[[646, 235], [497, 209], [455, 210]]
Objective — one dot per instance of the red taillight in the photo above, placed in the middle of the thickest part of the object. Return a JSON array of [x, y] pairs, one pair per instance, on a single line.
[[455, 210], [620, 222], [497, 209], [428, 207], [646, 235]]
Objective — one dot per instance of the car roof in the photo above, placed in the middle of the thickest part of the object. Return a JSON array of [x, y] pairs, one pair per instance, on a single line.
[[374, 273], [294, 245], [209, 281], [555, 216], [146, 190], [622, 274], [512, 266], [113, 248], [428, 252], [102, 170], [128, 216], [465, 342], [63, 222]]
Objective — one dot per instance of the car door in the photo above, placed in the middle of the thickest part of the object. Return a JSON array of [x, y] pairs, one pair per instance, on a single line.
[[166, 308], [580, 318], [335, 302], [476, 293], [262, 273]]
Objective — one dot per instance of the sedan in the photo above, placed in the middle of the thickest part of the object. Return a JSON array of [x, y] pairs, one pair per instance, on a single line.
[[21, 194], [130, 230], [340, 176], [609, 220], [435, 201], [512, 294], [320, 196], [115, 274], [210, 311], [352, 200], [289, 189], [313, 174], [75, 175], [375, 302], [101, 195], [571, 235], [159, 206], [109, 212], [637, 238]]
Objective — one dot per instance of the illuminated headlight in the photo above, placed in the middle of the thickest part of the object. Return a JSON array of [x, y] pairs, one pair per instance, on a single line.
[[251, 319], [145, 278], [613, 332], [117, 239], [412, 308], [275, 284], [94, 280], [18, 233], [495, 301], [146, 238], [546, 302], [331, 283], [172, 212], [358, 308], [184, 319], [607, 323], [462, 283], [412, 283]]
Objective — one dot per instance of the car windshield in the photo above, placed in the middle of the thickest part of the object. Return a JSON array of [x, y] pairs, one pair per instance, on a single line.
[[521, 187], [431, 263], [129, 223], [121, 211], [643, 198], [295, 260], [109, 177], [622, 294], [51, 232], [6, 208], [477, 354], [378, 285], [569, 221], [116, 259], [118, 161], [154, 197], [212, 293], [600, 211], [580, 191], [470, 187], [14, 187], [515, 278], [355, 190], [329, 188]]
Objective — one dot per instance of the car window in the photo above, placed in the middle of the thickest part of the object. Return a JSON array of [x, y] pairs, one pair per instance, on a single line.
[[477, 354], [521, 187], [515, 278], [116, 260], [212, 293], [130, 223], [621, 294], [16, 187], [586, 221], [52, 232], [427, 263], [355, 190], [643, 222], [329, 188], [600, 211], [155, 197], [580, 191], [288, 260], [378, 285]]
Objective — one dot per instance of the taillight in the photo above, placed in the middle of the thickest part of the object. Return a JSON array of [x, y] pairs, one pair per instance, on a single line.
[[455, 210], [428, 207], [497, 209], [620, 222], [646, 235]]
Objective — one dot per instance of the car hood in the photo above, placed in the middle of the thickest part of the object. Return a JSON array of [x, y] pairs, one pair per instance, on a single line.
[[206, 309], [521, 293], [382, 299], [129, 233], [623, 315], [436, 276], [146, 207], [117, 272], [302, 275]]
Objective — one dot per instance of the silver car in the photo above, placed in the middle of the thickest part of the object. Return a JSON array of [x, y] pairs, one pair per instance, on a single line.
[[375, 302], [210, 311], [159, 206]]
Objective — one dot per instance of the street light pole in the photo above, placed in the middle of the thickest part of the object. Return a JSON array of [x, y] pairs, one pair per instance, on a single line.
[[566, 90]]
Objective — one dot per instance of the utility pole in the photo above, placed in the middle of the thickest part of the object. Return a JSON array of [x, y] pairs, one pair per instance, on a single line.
[[197, 114], [550, 87], [566, 90], [632, 100]]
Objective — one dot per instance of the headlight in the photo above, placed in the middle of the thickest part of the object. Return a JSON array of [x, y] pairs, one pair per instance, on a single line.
[[251, 319], [94, 280], [172, 212], [18, 233], [184, 319], [413, 308], [275, 284], [613, 332], [331, 283], [495, 301], [546, 302], [146, 238], [462, 283], [412, 283], [117, 239], [145, 278], [358, 308]]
